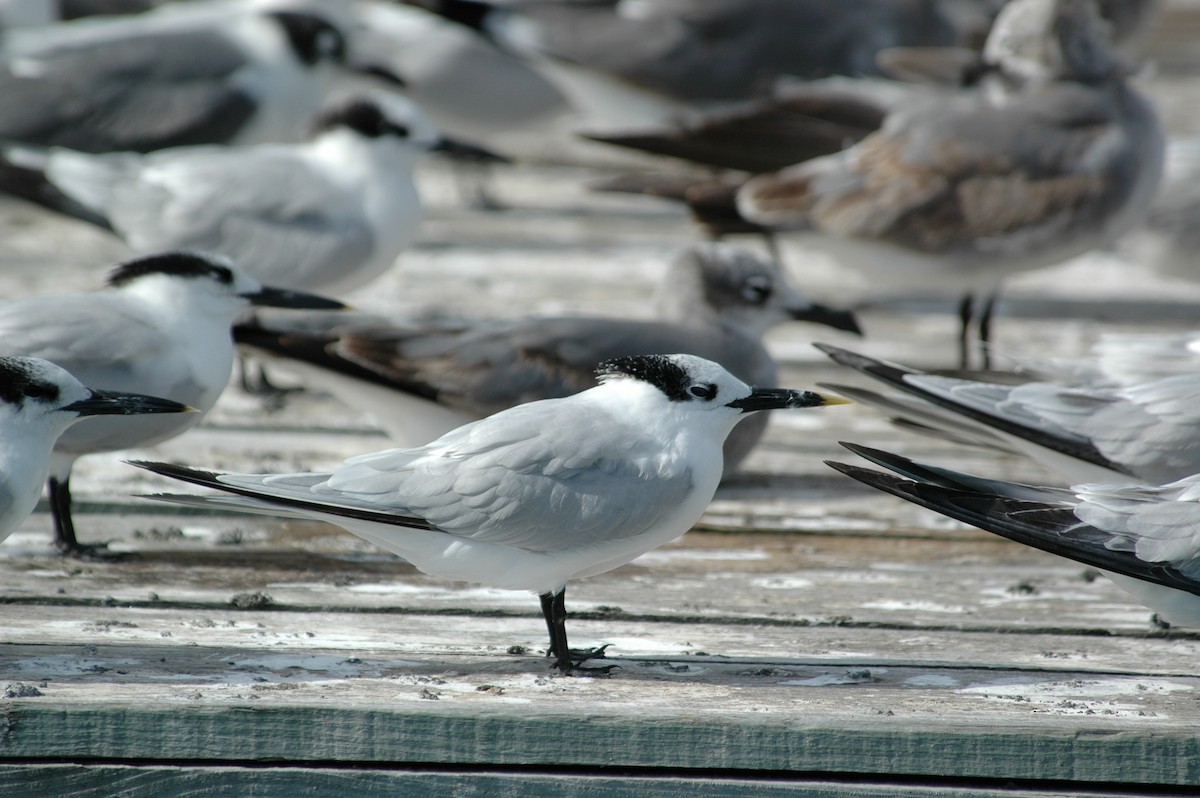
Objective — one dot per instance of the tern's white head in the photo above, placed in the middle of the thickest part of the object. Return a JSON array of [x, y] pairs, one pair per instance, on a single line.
[[699, 391], [38, 401], [206, 283]]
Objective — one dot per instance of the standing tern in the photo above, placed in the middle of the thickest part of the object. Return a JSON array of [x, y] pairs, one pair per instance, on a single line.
[[38, 402], [328, 215], [160, 327], [421, 380], [539, 494], [1143, 538]]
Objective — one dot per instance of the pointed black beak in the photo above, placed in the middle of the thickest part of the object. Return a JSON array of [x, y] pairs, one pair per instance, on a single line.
[[285, 298], [462, 151], [380, 72], [114, 403], [836, 318], [784, 399]]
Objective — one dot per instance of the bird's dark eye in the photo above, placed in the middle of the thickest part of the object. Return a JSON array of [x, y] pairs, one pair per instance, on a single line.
[[706, 392], [398, 129], [757, 290]]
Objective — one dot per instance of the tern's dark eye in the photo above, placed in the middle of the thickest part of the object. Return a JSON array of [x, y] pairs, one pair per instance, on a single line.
[[399, 130], [756, 290], [707, 391]]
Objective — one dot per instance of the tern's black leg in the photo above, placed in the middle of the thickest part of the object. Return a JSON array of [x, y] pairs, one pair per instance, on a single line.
[[256, 382], [966, 310], [985, 330], [64, 526], [475, 184], [554, 610]]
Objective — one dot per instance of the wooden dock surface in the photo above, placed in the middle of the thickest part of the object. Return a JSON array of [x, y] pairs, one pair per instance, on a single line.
[[808, 637]]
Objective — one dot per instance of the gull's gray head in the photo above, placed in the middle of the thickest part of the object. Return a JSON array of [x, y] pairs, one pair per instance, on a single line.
[[209, 277], [40, 391], [703, 385], [312, 38], [721, 283], [1041, 40]]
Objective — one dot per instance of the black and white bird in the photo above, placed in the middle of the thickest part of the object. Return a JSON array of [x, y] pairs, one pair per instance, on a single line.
[[187, 73], [161, 327], [1144, 538], [38, 402], [328, 215], [419, 380], [536, 495], [1097, 423], [1054, 154]]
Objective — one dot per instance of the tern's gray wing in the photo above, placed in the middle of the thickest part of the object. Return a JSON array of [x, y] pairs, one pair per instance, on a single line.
[[522, 478], [489, 367], [1153, 431], [1157, 524], [259, 206], [964, 177], [103, 343], [140, 93], [1148, 534]]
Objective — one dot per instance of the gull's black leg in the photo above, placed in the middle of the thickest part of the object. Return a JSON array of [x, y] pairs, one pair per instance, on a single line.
[[985, 330], [773, 250], [554, 610], [64, 526], [965, 311]]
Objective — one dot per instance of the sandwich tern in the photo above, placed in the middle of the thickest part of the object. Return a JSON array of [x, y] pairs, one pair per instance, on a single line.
[[536, 495]]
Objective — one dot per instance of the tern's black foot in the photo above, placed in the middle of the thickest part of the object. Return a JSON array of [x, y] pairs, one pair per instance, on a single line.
[[1159, 622], [255, 381], [92, 552], [573, 665], [599, 672]]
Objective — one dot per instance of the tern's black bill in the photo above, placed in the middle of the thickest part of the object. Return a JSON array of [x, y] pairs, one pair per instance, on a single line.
[[286, 298], [836, 318], [113, 403], [783, 399], [462, 151]]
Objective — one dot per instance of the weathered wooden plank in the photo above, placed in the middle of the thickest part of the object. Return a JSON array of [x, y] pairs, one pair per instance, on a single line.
[[984, 583], [415, 732], [199, 782], [429, 635]]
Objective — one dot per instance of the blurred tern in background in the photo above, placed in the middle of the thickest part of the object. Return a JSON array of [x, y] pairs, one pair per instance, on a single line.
[[630, 64], [160, 327], [38, 402], [208, 71], [537, 495], [329, 215], [421, 380]]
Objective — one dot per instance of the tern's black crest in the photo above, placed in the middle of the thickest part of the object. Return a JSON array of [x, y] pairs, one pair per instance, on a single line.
[[179, 264], [659, 370], [313, 38], [362, 116], [19, 382]]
